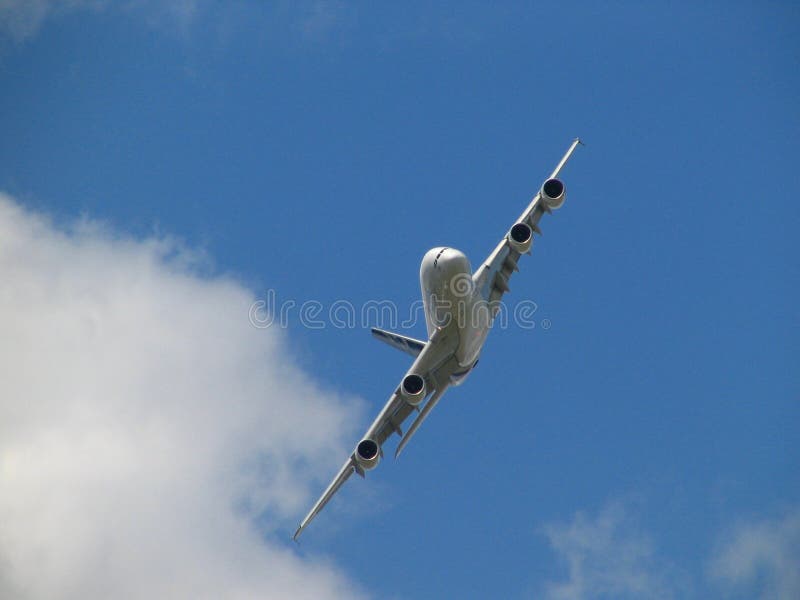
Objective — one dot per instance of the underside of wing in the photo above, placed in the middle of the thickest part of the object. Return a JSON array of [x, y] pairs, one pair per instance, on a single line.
[[432, 401], [493, 276], [344, 474], [418, 384]]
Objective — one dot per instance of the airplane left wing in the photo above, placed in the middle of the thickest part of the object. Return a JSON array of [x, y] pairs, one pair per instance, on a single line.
[[396, 410]]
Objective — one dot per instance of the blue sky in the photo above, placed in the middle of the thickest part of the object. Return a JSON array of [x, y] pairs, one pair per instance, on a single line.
[[645, 444]]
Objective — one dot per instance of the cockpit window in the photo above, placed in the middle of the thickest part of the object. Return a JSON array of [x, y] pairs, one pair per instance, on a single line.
[[436, 260]]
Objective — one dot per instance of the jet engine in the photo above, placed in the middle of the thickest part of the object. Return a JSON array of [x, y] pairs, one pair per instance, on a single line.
[[553, 193], [412, 389], [520, 237], [368, 454]]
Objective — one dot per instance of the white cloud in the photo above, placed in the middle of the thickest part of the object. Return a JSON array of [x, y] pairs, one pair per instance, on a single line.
[[21, 19], [170, 15], [145, 425], [311, 21], [761, 557], [607, 556], [320, 18]]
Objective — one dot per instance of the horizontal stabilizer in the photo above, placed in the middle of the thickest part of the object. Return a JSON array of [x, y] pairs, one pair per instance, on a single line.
[[401, 342]]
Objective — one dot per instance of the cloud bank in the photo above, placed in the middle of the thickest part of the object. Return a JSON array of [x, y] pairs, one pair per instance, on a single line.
[[146, 426], [761, 558], [22, 19], [609, 556]]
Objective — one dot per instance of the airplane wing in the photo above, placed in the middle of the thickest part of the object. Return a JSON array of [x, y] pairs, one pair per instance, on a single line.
[[492, 277], [432, 356]]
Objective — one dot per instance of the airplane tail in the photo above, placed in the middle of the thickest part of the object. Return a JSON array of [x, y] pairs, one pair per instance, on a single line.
[[401, 342]]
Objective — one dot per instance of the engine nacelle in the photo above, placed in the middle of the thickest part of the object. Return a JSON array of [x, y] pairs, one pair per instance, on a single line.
[[553, 193], [520, 237], [368, 454], [412, 389]]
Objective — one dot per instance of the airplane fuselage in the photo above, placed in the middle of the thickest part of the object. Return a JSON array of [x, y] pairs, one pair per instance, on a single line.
[[452, 303]]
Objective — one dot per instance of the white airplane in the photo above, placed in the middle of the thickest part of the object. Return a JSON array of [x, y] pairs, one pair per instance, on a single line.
[[459, 309]]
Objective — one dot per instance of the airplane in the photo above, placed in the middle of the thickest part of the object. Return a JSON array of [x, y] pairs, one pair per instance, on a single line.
[[460, 306]]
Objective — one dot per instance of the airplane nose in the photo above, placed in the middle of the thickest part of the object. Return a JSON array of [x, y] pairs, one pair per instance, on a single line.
[[432, 258], [444, 261]]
